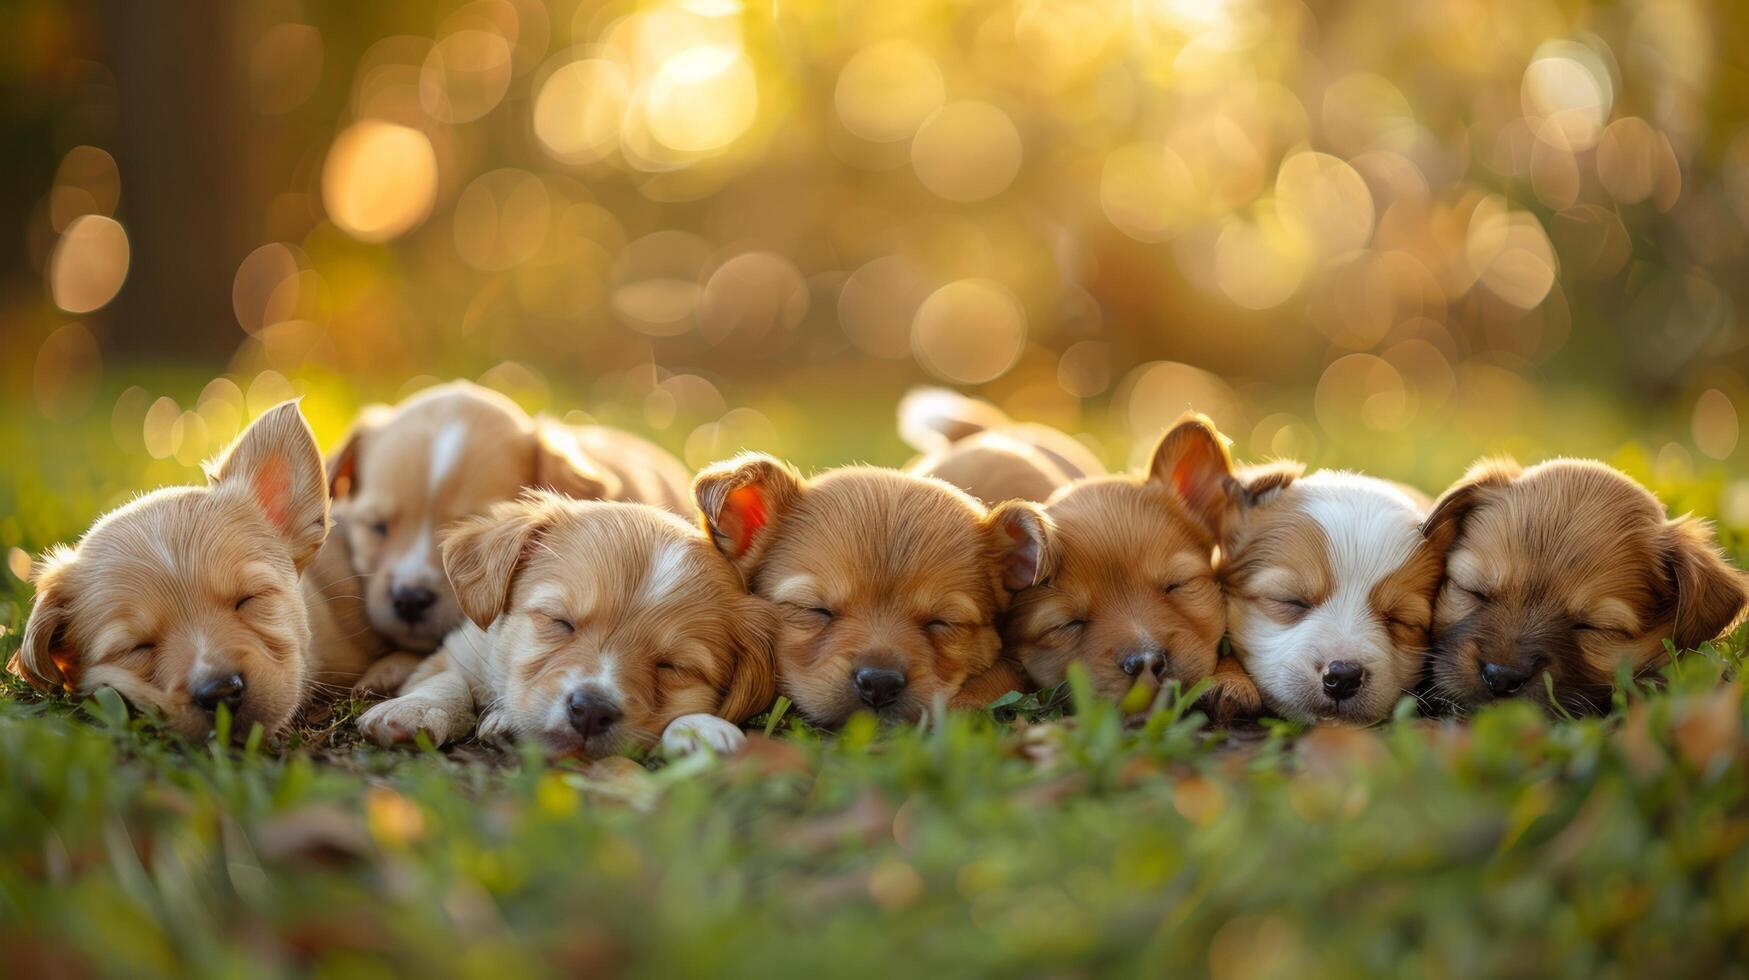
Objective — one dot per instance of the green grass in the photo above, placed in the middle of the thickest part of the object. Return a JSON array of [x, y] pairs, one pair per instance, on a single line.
[[1029, 841]]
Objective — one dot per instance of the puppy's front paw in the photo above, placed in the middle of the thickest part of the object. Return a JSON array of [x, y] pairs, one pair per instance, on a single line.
[[496, 727], [1233, 695], [397, 721], [690, 733], [386, 674]]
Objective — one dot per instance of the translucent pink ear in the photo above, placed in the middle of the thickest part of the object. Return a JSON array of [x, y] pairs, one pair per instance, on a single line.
[[1192, 460], [741, 500], [277, 462], [1023, 534]]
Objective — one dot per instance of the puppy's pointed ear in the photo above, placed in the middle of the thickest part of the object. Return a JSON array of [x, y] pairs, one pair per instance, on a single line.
[[561, 465], [46, 658], [481, 554], [741, 501], [1455, 505], [277, 462], [342, 465], [1708, 593], [1024, 539], [753, 685], [1192, 461]]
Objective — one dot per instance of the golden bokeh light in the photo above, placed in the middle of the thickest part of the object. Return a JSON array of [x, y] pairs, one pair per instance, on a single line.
[[465, 75], [1510, 254], [1261, 259], [1154, 395], [69, 367], [157, 428], [501, 219], [1568, 86], [1361, 393], [578, 110], [656, 282], [380, 180], [86, 182], [1327, 198], [877, 304], [967, 151], [702, 99], [752, 298], [89, 264], [886, 90], [1715, 424], [969, 332], [284, 68]]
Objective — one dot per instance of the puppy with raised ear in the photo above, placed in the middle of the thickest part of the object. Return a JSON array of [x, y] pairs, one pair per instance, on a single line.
[[188, 598], [1130, 590], [889, 584], [1330, 584], [401, 474], [1567, 569], [594, 628]]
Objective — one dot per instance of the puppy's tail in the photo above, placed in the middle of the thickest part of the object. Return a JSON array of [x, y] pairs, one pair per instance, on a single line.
[[935, 418]]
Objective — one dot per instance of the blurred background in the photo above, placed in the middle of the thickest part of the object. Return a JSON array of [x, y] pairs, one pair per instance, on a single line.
[[1388, 233]]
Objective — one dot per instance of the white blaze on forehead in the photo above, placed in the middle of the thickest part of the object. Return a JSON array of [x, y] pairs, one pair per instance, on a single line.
[[417, 565], [667, 570], [1370, 527], [446, 451]]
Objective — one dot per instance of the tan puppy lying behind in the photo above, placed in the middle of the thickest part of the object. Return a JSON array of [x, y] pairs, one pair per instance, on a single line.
[[443, 454], [974, 446], [1129, 591], [1569, 569], [188, 598], [889, 584], [595, 627]]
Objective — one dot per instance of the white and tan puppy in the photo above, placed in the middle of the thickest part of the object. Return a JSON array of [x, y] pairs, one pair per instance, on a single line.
[[449, 452], [1330, 586], [595, 628], [188, 598]]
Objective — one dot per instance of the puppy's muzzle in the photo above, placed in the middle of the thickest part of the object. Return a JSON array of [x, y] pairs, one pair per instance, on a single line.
[[877, 687], [1506, 679], [223, 688], [1343, 679], [592, 713], [1146, 662], [411, 602]]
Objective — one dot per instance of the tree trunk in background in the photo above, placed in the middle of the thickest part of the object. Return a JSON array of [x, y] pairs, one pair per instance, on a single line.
[[178, 146]]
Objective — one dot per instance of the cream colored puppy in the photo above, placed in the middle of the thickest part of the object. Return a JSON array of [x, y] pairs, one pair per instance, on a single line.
[[974, 446], [594, 628], [188, 598], [443, 454]]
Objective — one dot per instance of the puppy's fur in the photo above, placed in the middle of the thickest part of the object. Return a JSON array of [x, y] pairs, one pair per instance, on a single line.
[[1567, 568], [401, 474], [188, 597], [974, 446], [889, 584], [1129, 590], [1330, 583], [594, 627]]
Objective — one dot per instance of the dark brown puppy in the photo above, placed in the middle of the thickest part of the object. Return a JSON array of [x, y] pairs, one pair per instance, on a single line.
[[1567, 569]]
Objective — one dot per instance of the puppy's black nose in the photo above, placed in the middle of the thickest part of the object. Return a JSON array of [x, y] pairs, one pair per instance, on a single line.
[[1504, 680], [225, 689], [592, 713], [411, 601], [1152, 661], [877, 686], [1342, 679]]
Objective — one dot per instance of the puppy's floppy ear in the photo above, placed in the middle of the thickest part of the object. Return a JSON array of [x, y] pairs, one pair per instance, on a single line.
[[1447, 517], [342, 462], [742, 500], [1709, 594], [1024, 539], [560, 465], [1193, 462], [277, 462], [481, 554], [46, 658], [753, 683]]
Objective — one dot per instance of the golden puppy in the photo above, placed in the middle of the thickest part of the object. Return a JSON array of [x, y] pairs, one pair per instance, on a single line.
[[188, 598], [594, 627], [1330, 582], [974, 446], [1567, 569], [889, 584], [446, 453]]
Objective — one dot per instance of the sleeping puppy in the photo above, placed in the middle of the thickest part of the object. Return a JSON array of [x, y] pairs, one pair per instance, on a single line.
[[889, 584], [974, 446], [594, 628], [1129, 591], [445, 453], [188, 598], [1567, 569], [1330, 583]]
